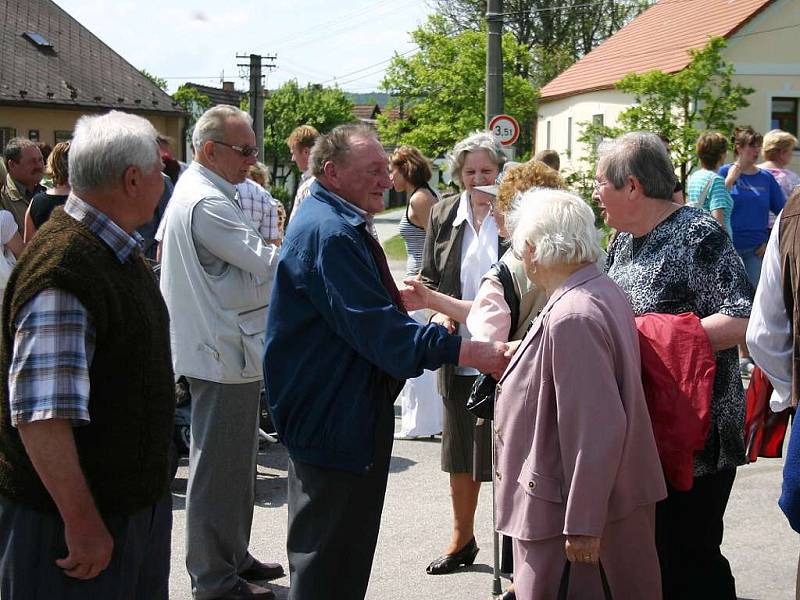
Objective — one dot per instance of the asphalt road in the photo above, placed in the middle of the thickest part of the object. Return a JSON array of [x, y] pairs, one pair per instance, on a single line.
[[760, 545]]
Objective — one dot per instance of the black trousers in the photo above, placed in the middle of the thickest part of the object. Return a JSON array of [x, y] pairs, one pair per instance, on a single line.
[[689, 531], [31, 541], [334, 517]]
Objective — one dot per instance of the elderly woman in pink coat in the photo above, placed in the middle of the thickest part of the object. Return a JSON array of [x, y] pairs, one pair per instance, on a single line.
[[577, 473]]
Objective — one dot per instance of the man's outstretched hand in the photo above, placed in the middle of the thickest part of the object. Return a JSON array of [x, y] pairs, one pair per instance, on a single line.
[[487, 357]]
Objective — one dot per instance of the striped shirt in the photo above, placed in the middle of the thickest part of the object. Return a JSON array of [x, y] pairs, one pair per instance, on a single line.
[[54, 341]]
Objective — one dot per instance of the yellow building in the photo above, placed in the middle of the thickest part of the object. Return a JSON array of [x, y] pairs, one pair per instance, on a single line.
[[53, 70], [763, 47]]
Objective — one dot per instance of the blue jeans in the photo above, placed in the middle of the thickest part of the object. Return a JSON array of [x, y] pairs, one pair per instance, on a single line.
[[752, 264]]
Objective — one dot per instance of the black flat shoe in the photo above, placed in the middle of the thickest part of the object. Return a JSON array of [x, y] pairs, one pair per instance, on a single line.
[[261, 571], [448, 563]]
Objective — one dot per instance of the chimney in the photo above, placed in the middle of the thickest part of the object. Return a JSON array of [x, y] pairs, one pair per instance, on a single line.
[[227, 86]]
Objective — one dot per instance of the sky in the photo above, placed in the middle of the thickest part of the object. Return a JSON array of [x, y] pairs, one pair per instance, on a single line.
[[344, 42]]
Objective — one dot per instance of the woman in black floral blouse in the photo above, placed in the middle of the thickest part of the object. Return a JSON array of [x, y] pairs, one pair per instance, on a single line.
[[674, 259]]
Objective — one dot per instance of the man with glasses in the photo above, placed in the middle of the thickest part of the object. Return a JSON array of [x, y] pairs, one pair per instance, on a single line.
[[216, 276]]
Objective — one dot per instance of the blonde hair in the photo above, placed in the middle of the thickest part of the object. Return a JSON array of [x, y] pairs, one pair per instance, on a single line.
[[259, 173], [518, 179], [303, 136], [777, 141], [58, 164]]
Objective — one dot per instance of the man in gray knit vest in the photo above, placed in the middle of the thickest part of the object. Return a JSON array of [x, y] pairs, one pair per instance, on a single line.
[[87, 393], [216, 275]]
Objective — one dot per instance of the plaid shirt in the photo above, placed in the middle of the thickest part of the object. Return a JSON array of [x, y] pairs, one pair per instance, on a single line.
[[260, 207], [54, 341]]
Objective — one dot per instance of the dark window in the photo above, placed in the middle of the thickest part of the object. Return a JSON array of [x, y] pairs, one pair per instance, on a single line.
[[6, 133], [62, 136], [784, 115], [597, 121], [569, 136], [548, 136], [38, 40]]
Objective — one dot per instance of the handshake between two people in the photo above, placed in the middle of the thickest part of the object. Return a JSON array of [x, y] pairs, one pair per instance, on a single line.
[[488, 357]]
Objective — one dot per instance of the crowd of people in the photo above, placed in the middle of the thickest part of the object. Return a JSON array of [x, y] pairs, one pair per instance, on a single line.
[[506, 286]]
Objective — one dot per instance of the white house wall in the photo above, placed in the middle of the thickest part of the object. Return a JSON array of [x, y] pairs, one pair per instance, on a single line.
[[765, 54], [581, 109]]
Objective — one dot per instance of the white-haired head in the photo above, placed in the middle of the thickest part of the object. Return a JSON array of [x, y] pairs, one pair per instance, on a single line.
[[210, 126], [559, 226], [480, 140], [104, 146]]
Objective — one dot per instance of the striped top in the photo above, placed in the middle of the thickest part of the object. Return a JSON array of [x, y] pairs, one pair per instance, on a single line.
[[414, 238]]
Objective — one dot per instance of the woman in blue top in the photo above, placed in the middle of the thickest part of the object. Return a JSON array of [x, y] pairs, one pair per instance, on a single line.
[[755, 193]]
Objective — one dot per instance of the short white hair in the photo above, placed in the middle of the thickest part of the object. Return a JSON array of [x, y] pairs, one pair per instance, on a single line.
[[479, 140], [211, 124], [558, 225], [104, 146]]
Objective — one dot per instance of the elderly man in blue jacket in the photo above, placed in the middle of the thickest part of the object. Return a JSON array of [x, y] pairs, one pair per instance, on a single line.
[[338, 348]]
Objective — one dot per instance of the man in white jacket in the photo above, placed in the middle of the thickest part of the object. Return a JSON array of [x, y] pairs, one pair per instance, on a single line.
[[216, 277]]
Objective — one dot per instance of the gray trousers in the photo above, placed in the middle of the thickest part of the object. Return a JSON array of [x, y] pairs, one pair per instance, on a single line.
[[220, 492], [334, 517], [31, 541]]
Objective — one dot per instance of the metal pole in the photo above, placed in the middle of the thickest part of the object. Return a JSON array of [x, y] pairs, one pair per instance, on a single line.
[[257, 101], [494, 59]]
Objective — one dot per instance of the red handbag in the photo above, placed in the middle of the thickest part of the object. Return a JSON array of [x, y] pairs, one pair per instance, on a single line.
[[764, 430]]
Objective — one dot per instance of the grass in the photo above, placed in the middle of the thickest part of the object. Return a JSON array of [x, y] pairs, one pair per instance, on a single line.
[[395, 248]]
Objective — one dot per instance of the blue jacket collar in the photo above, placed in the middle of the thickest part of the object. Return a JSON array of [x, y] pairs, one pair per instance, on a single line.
[[350, 212]]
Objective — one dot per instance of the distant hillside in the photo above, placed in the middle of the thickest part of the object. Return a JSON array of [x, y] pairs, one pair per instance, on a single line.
[[369, 98]]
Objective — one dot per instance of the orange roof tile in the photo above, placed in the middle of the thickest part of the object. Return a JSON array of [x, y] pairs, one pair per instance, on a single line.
[[657, 39]]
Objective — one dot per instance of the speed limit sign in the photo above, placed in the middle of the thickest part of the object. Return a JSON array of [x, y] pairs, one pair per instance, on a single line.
[[505, 129]]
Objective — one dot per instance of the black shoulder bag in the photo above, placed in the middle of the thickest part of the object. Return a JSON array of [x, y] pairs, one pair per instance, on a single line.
[[481, 399]]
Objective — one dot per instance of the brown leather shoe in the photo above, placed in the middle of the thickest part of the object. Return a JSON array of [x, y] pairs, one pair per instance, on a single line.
[[244, 590], [261, 571]]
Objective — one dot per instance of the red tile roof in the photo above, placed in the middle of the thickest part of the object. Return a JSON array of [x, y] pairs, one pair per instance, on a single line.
[[657, 39]]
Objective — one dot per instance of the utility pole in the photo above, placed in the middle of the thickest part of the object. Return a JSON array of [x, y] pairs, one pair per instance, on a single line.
[[494, 59], [257, 93]]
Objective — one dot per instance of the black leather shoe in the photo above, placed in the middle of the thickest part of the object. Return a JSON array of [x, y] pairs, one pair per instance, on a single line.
[[260, 571], [247, 591], [448, 563]]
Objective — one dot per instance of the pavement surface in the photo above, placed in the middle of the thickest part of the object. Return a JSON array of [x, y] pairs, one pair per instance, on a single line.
[[759, 544], [762, 549]]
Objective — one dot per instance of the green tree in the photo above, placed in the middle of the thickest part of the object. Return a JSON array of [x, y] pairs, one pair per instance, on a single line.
[[292, 105], [556, 32], [193, 102], [159, 81], [679, 106], [440, 89]]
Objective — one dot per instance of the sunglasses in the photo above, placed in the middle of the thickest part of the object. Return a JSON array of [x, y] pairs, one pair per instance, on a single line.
[[245, 151]]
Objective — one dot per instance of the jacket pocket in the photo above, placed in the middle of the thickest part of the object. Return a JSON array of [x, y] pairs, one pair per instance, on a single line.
[[252, 331], [539, 486]]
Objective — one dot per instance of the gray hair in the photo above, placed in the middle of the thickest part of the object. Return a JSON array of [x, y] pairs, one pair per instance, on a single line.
[[643, 156], [558, 225], [15, 147], [211, 124], [479, 140], [335, 146], [104, 146]]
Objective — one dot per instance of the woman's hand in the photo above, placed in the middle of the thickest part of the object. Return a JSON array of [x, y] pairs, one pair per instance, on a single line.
[[415, 295], [512, 347], [444, 321], [733, 175], [582, 548]]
